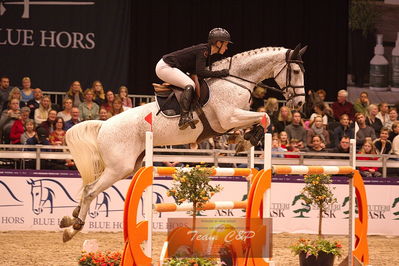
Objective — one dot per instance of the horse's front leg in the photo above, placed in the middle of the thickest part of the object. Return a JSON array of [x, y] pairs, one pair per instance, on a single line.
[[239, 118]]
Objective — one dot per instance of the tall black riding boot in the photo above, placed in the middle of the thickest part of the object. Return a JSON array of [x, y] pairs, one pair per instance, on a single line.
[[186, 117]]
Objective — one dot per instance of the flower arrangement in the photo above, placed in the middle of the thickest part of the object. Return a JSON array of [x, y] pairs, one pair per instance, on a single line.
[[99, 258], [313, 247], [190, 261]]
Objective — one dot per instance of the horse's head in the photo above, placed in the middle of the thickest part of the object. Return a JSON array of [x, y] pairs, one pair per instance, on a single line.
[[36, 192], [290, 77]]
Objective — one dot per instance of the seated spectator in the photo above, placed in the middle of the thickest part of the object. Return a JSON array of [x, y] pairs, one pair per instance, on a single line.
[[49, 124], [27, 91], [395, 145], [283, 136], [57, 137], [383, 113], [383, 145], [258, 98], [394, 132], [362, 103], [367, 171], [41, 113], [276, 146], [342, 106], [75, 93], [317, 128], [293, 147], [5, 89], [284, 118], [372, 120], [317, 146], [17, 128], [109, 98], [343, 129], [319, 109], [123, 94], [393, 117], [75, 118], [342, 146], [117, 106], [8, 117], [104, 114], [296, 130], [15, 93], [29, 131], [364, 130], [271, 108], [322, 96], [88, 109], [35, 102], [99, 95], [66, 112]]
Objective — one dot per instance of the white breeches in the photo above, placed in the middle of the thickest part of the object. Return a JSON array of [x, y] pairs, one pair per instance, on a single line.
[[173, 75]]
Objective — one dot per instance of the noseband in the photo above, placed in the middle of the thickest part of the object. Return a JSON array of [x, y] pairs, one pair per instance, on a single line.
[[262, 85]]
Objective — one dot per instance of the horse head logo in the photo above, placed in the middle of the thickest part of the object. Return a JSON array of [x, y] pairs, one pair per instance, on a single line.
[[40, 196], [102, 202]]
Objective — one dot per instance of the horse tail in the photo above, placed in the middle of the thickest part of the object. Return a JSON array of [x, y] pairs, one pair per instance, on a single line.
[[82, 143]]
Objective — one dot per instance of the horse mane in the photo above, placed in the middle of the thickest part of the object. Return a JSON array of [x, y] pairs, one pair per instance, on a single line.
[[247, 53]]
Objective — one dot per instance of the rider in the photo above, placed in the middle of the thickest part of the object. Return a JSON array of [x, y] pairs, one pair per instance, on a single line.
[[172, 68]]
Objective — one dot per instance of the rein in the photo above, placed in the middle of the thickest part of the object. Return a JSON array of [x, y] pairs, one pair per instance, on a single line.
[[262, 85]]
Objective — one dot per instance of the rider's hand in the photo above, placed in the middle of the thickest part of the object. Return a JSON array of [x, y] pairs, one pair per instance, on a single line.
[[224, 73]]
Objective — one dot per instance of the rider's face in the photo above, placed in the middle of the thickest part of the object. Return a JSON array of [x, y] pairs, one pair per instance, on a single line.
[[222, 47]]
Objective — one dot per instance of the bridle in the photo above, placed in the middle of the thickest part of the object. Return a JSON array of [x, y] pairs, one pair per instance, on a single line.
[[284, 90]]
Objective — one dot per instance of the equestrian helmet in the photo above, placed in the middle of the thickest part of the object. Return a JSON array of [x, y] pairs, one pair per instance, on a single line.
[[218, 34]]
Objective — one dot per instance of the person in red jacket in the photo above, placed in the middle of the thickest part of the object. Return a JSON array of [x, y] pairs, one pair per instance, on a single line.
[[367, 171], [17, 128]]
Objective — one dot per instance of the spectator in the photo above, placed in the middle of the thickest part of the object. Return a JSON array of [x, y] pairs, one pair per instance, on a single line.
[[7, 119], [362, 104], [123, 94], [75, 118], [271, 108], [17, 128], [99, 95], [26, 92], [284, 118], [88, 109], [393, 117], [394, 132], [383, 145], [258, 98], [372, 120], [293, 147], [364, 130], [317, 145], [344, 129], [295, 130], [41, 113], [117, 106], [29, 131], [319, 110], [342, 146], [4, 91], [35, 102], [109, 98], [57, 137], [317, 129], [66, 113], [367, 171], [276, 146], [383, 113], [395, 145], [283, 136], [15, 93], [49, 124], [342, 106], [104, 114], [75, 93]]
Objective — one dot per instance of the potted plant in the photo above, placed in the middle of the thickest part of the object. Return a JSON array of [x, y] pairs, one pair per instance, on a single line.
[[192, 185], [319, 252], [100, 258]]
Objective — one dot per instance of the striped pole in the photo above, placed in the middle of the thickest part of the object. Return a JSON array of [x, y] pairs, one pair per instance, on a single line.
[[303, 170], [215, 205], [168, 171]]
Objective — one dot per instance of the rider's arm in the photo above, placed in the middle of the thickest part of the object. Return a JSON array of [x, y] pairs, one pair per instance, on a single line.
[[203, 72]]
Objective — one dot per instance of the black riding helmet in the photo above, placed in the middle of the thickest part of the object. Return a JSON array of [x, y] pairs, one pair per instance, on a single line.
[[218, 34]]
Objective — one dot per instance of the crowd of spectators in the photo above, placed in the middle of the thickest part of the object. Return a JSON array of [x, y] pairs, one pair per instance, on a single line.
[[29, 117]]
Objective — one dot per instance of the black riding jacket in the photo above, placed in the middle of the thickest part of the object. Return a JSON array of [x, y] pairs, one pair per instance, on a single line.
[[193, 60]]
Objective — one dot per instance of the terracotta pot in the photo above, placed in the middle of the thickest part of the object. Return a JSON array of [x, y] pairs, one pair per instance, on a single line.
[[323, 259]]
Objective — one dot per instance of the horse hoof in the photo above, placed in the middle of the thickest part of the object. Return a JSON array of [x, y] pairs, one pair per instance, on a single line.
[[75, 212], [78, 224], [66, 236], [66, 221]]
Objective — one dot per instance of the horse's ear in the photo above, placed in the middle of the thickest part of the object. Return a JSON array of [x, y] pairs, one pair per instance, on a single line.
[[302, 51], [295, 53]]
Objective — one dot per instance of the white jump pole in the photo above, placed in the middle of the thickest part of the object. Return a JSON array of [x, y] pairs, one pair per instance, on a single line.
[[147, 197]]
